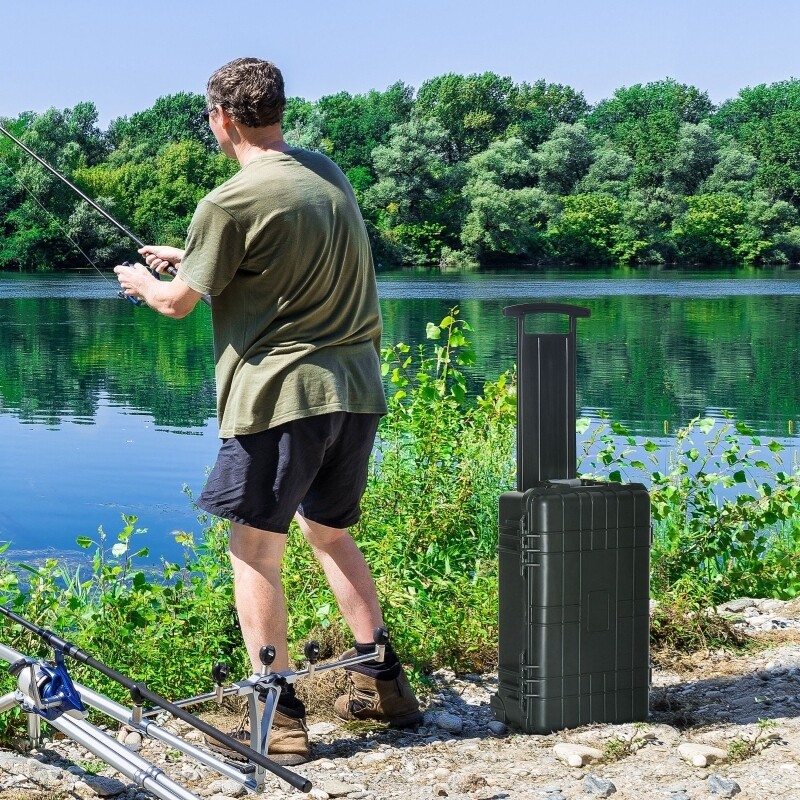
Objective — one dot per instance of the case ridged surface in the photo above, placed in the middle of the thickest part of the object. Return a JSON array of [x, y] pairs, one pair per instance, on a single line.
[[574, 606]]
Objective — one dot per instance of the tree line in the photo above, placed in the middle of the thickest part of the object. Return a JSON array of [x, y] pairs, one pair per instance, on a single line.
[[465, 172]]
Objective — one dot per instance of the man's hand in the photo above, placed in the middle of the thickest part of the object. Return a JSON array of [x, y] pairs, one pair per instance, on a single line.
[[131, 278], [161, 257], [171, 298]]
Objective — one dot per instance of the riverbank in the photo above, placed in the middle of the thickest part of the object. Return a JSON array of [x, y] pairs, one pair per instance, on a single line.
[[720, 725]]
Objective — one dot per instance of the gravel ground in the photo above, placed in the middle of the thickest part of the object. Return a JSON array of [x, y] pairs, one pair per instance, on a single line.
[[720, 725]]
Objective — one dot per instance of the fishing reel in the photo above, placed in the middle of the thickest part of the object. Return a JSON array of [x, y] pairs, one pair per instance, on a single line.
[[137, 301], [46, 689]]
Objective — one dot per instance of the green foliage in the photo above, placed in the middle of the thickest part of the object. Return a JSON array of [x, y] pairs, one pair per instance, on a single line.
[[585, 230], [150, 626], [354, 125], [416, 193], [526, 174], [429, 523], [726, 509]]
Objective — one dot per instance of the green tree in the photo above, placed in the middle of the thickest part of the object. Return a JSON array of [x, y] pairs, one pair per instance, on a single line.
[[733, 173], [564, 158], [172, 119], [302, 124], [536, 108], [694, 158], [585, 232], [764, 121], [473, 110], [507, 214], [34, 220], [645, 121], [354, 125], [609, 172], [709, 232], [417, 195]]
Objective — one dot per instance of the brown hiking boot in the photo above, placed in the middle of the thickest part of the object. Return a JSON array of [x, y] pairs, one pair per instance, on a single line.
[[391, 700], [288, 741]]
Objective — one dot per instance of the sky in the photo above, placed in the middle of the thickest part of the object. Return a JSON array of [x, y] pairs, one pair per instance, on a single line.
[[123, 56]]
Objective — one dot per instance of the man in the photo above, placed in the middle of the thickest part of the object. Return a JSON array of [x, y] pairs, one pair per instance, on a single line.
[[282, 251]]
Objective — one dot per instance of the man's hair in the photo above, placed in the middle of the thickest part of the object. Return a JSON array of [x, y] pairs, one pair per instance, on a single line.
[[250, 90]]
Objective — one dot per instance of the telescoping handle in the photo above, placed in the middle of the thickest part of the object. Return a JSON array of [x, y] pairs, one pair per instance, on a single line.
[[546, 386]]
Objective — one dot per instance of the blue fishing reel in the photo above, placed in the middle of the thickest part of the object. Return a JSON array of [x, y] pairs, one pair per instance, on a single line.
[[53, 693]]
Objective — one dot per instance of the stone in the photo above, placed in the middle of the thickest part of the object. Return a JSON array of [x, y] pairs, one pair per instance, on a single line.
[[321, 728], [576, 755], [445, 721], [701, 755], [133, 741], [497, 728], [375, 758], [333, 787], [722, 787], [597, 786], [104, 787]]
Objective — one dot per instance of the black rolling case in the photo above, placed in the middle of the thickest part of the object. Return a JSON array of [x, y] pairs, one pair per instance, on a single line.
[[574, 559]]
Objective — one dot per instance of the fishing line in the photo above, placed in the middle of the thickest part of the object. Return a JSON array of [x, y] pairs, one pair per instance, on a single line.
[[57, 222], [136, 301]]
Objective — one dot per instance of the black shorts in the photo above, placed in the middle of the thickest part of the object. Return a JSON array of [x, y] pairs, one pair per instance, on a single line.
[[315, 465]]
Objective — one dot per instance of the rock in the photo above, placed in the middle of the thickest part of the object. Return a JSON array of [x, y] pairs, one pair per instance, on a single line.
[[337, 788], [441, 773], [722, 787], [321, 728], [99, 786], [497, 728], [232, 788], [597, 786], [375, 758], [133, 741], [576, 755], [736, 606], [447, 722], [701, 755]]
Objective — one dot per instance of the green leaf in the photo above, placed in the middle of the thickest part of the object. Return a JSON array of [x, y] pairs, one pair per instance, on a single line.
[[615, 476], [739, 476], [776, 447], [706, 425], [84, 542], [651, 446], [432, 331]]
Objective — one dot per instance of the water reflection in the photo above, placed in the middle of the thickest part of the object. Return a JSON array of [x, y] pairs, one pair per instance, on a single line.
[[93, 390]]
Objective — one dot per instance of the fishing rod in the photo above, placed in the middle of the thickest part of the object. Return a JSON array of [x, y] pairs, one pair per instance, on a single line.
[[171, 270], [140, 693]]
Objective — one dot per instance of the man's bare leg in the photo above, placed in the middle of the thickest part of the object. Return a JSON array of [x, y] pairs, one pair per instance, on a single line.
[[349, 576], [256, 557]]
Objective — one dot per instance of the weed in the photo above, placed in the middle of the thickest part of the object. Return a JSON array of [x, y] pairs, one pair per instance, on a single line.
[[741, 748]]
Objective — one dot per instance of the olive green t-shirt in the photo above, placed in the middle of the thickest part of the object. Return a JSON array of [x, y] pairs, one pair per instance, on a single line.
[[282, 250]]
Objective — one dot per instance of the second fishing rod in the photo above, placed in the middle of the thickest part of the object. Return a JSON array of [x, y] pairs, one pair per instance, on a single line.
[[100, 210]]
